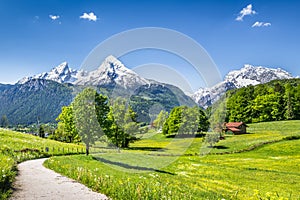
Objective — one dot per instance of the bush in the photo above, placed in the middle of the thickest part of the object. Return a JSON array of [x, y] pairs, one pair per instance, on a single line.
[[212, 138]]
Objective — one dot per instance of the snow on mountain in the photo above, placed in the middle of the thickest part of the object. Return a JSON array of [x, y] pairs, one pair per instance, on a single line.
[[109, 72], [251, 75], [248, 75], [61, 74]]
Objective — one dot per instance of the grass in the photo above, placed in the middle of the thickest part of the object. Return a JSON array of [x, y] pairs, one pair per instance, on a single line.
[[16, 147], [174, 168]]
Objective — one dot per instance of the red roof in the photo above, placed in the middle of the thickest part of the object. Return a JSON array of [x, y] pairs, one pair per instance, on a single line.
[[235, 124]]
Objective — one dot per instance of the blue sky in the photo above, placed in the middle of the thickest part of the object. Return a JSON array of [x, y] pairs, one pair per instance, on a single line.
[[37, 35]]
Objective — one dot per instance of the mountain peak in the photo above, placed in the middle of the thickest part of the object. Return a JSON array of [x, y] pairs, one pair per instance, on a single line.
[[111, 59], [112, 62], [61, 74], [112, 71], [247, 75], [61, 68], [253, 75]]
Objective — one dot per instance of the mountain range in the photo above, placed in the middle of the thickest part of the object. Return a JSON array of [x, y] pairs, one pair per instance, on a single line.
[[42, 96], [248, 75], [111, 71]]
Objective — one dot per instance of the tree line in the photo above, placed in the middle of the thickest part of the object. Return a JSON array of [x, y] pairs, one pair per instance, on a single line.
[[182, 120], [91, 117], [274, 101]]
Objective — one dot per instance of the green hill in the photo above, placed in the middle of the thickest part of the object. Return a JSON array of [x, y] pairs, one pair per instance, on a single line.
[[16, 147]]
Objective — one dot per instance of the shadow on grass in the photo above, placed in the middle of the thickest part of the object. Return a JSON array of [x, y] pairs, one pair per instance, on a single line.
[[127, 166], [236, 134], [146, 148], [198, 135], [220, 147]]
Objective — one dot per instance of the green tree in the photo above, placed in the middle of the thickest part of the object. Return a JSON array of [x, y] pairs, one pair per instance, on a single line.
[[289, 93], [102, 111], [41, 131], [212, 138], [296, 102], [203, 125], [172, 124], [85, 117], [185, 120], [4, 121], [160, 119], [268, 108], [239, 105], [123, 123], [189, 121], [66, 125]]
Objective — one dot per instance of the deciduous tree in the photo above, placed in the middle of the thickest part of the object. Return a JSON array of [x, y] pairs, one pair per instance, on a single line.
[[67, 126], [160, 119], [123, 123], [85, 117]]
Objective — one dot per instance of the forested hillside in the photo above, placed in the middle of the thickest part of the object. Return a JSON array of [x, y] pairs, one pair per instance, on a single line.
[[274, 101], [41, 100], [37, 100]]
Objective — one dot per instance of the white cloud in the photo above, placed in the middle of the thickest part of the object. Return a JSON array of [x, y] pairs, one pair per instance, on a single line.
[[54, 17], [261, 24], [89, 16], [244, 12]]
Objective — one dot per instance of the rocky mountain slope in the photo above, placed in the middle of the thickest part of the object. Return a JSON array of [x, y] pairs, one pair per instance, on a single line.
[[42, 96], [248, 75], [110, 72], [61, 74]]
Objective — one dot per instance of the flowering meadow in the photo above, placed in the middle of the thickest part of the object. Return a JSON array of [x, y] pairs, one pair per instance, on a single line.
[[263, 164]]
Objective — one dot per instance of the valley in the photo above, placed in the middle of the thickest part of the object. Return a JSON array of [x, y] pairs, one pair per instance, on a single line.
[[173, 153], [151, 168], [149, 100]]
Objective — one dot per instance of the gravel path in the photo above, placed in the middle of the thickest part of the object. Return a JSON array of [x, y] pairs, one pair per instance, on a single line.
[[37, 182]]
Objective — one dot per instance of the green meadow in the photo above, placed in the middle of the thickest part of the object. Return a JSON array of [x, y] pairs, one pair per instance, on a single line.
[[16, 147], [263, 164]]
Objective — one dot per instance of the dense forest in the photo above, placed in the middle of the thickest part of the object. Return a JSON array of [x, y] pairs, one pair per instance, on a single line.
[[274, 101]]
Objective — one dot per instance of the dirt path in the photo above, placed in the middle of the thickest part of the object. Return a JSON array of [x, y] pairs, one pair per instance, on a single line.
[[37, 182]]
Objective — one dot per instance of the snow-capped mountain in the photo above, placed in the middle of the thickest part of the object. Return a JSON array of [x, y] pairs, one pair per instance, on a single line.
[[46, 93], [251, 75], [61, 74], [248, 75], [111, 71]]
